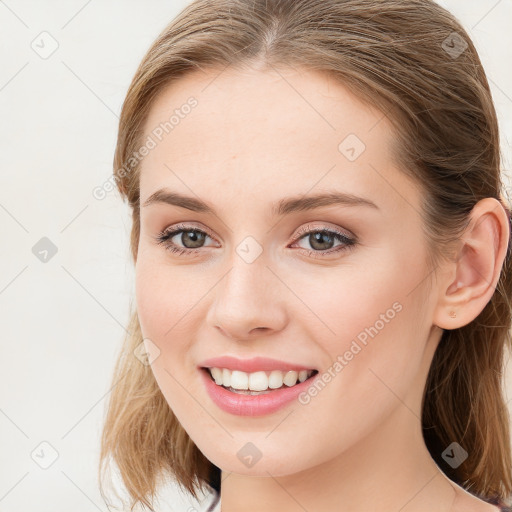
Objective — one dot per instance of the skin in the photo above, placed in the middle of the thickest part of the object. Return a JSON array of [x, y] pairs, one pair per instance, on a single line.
[[254, 138]]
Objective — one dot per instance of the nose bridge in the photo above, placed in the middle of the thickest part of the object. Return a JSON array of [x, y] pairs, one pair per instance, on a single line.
[[247, 299]]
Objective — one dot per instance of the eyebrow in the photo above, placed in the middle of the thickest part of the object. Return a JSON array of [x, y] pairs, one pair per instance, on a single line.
[[282, 207]]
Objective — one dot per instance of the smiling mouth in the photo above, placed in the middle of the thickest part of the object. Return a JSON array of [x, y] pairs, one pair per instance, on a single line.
[[257, 383]]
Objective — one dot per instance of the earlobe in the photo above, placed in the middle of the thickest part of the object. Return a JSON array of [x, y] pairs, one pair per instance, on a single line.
[[474, 274]]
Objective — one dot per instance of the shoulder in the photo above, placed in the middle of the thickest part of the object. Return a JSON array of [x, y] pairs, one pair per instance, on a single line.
[[212, 502], [500, 504], [467, 502]]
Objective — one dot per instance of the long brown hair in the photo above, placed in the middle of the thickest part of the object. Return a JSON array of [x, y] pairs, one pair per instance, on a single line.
[[413, 61]]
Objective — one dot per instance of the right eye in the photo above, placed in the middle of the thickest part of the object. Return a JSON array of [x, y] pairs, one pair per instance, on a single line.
[[188, 235]]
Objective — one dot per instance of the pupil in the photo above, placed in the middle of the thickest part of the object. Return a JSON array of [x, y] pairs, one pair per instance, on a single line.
[[192, 237], [316, 240]]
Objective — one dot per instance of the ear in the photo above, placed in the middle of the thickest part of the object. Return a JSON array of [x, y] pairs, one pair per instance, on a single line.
[[468, 282]]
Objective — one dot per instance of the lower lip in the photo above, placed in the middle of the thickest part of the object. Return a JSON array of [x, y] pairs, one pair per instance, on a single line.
[[253, 405]]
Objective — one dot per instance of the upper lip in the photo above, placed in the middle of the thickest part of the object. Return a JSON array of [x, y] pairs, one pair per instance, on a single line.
[[252, 365]]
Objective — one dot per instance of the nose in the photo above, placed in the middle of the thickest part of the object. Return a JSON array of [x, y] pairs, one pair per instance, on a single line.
[[248, 302]]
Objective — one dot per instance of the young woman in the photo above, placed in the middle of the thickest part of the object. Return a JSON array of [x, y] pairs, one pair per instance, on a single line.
[[322, 249]]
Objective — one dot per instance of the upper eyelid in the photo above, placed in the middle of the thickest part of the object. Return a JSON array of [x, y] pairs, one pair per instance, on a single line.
[[185, 227], [308, 228], [300, 233]]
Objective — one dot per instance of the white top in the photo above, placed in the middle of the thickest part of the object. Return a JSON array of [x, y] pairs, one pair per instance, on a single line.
[[212, 502], [171, 498]]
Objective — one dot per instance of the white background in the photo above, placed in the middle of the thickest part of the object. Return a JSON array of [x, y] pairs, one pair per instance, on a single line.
[[63, 320]]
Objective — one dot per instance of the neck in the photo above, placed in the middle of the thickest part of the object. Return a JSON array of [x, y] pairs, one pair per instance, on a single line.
[[390, 469]]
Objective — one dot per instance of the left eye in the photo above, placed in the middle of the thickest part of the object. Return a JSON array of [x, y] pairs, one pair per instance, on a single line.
[[321, 240]]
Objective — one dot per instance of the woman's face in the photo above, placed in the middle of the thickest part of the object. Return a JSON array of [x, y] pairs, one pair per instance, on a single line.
[[353, 303]]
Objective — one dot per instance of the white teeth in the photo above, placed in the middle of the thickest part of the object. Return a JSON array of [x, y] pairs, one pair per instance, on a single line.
[[290, 378], [226, 377], [239, 380], [257, 381], [217, 375], [275, 379], [303, 375]]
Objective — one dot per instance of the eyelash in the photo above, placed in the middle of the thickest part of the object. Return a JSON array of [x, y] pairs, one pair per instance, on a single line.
[[164, 237]]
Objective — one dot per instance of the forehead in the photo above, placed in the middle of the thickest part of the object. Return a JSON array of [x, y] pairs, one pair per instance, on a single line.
[[266, 133]]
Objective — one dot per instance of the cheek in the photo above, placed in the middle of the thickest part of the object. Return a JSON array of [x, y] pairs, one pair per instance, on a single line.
[[166, 321], [358, 300], [170, 311], [166, 316], [377, 328], [152, 304], [164, 299]]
